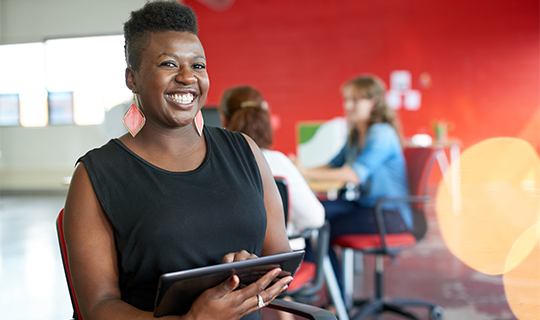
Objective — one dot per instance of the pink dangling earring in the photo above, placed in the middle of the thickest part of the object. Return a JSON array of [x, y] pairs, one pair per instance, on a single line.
[[134, 119], [199, 123]]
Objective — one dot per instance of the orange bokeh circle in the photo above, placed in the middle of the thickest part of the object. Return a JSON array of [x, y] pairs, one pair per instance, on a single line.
[[497, 200]]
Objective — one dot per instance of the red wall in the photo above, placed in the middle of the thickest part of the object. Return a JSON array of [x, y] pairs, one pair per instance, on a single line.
[[483, 58]]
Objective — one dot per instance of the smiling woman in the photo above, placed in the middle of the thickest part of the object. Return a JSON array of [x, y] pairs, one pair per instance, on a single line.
[[172, 195], [171, 79]]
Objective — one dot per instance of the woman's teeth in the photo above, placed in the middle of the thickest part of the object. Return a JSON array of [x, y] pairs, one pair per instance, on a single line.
[[181, 98]]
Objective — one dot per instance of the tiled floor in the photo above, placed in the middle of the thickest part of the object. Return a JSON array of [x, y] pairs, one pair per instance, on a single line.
[[32, 283]]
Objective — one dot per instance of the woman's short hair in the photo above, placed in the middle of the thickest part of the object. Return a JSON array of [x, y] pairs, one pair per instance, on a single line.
[[254, 121], [234, 98], [157, 16]]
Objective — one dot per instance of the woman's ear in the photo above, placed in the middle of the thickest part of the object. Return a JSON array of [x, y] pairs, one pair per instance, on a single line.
[[130, 80], [374, 102]]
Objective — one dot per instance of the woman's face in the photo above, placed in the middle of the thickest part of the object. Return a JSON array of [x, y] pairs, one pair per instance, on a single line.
[[357, 108], [171, 81]]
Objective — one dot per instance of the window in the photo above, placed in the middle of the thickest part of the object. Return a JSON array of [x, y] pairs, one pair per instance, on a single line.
[[84, 78], [9, 110], [60, 107]]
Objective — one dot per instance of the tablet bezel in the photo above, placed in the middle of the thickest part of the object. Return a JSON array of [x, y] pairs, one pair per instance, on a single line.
[[178, 290]]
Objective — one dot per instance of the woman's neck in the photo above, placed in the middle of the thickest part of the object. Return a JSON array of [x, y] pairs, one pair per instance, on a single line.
[[173, 152], [361, 127]]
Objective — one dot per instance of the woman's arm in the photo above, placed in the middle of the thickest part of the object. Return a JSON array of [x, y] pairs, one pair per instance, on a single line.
[[306, 210], [344, 174], [94, 270], [92, 254], [276, 240]]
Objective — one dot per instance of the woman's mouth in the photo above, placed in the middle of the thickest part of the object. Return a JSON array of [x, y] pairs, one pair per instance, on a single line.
[[183, 98]]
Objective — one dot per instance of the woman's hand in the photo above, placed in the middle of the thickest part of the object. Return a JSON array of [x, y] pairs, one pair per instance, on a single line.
[[224, 302], [238, 256]]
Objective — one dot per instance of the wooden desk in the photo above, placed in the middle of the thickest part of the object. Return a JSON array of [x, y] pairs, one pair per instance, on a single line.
[[324, 185], [325, 189]]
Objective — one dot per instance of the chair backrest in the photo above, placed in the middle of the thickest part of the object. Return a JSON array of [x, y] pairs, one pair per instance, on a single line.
[[63, 251], [283, 191], [323, 241], [419, 163]]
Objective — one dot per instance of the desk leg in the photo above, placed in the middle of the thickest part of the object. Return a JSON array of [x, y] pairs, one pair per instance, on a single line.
[[453, 179], [456, 178]]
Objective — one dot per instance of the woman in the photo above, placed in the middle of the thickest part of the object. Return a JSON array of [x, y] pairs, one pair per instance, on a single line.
[[172, 195], [236, 98], [245, 113], [372, 159]]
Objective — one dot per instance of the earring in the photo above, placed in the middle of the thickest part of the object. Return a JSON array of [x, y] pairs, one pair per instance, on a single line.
[[199, 122], [134, 119]]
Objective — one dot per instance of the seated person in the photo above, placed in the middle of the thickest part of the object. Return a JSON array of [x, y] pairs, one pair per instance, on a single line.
[[171, 195], [372, 159], [244, 108]]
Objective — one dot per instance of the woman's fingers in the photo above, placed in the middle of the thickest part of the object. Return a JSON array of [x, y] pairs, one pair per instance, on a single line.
[[223, 301], [261, 288], [238, 256]]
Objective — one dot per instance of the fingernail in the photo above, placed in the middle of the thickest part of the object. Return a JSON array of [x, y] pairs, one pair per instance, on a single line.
[[232, 282], [277, 272], [290, 280], [284, 288]]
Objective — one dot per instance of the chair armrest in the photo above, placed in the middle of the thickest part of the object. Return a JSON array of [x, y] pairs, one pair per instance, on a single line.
[[379, 217], [412, 199], [302, 310], [299, 309]]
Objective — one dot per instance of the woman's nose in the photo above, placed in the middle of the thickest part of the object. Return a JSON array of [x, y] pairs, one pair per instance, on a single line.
[[185, 76]]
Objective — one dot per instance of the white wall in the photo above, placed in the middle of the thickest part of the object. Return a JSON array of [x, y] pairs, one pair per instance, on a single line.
[[37, 20], [38, 158]]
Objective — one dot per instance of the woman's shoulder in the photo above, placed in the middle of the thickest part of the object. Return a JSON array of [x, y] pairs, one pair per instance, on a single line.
[[383, 127], [106, 150], [221, 133], [273, 154], [274, 157]]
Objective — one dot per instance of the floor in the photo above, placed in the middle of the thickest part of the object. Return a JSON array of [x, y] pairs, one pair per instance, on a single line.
[[32, 282]]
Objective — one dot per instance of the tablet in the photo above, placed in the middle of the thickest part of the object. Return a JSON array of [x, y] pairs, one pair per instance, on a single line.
[[178, 290]]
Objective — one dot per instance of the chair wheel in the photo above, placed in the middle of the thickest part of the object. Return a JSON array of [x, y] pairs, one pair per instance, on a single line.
[[436, 313]]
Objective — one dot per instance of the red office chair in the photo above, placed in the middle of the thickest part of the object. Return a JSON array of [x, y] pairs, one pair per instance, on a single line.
[[419, 163], [299, 309]]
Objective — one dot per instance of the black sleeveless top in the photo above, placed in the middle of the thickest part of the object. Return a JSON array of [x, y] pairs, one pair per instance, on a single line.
[[169, 221]]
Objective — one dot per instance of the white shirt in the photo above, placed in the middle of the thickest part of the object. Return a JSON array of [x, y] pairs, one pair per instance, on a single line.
[[305, 210]]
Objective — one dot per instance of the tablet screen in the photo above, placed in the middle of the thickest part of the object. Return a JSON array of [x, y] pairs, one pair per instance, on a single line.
[[178, 290]]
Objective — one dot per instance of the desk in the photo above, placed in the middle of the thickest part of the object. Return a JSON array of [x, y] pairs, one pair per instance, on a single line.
[[325, 189]]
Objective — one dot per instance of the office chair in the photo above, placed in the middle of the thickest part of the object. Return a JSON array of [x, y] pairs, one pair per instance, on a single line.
[[419, 163], [299, 309], [311, 276]]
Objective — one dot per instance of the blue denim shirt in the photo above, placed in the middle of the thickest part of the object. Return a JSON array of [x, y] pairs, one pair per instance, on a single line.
[[380, 165]]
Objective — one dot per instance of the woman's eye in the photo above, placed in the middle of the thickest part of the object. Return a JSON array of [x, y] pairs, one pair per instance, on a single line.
[[168, 64]]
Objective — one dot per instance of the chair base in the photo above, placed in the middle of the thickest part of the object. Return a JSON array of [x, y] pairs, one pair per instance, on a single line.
[[378, 306]]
